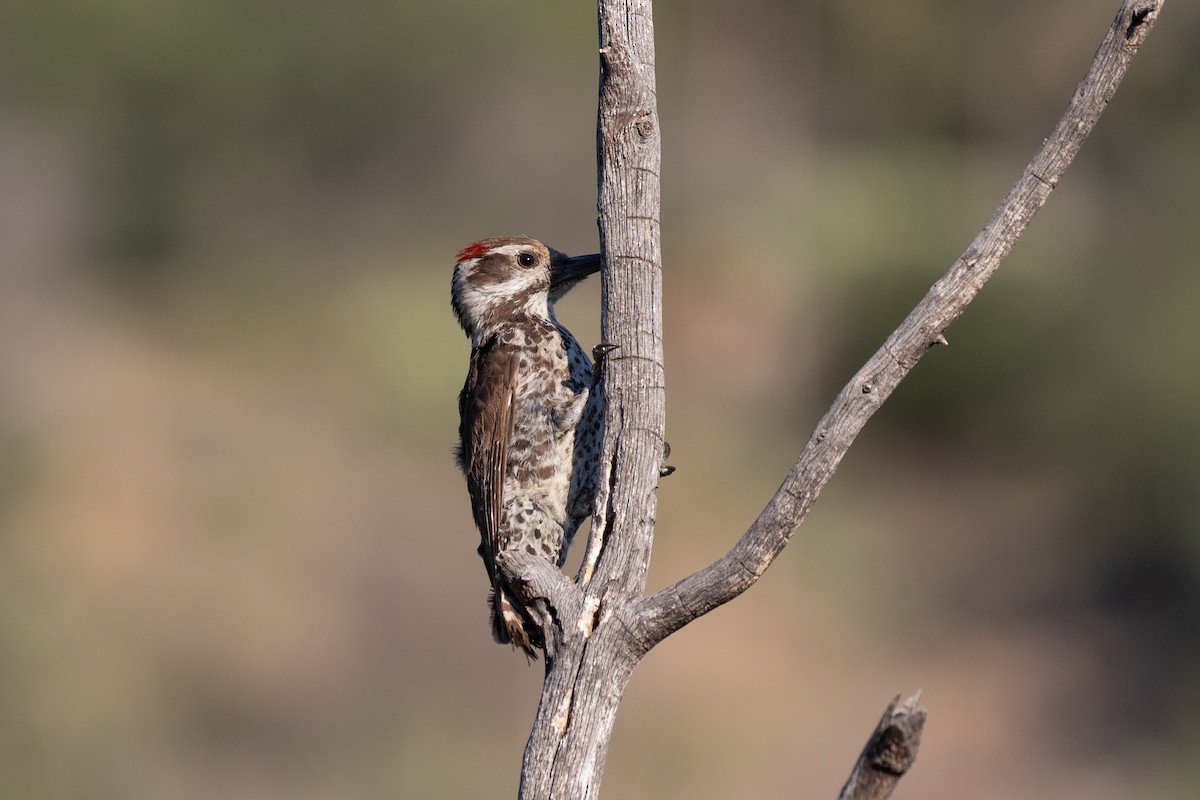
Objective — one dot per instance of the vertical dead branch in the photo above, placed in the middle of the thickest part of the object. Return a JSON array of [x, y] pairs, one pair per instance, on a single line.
[[628, 159]]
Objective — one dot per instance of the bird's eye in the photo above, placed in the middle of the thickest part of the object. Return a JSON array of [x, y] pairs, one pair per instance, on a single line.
[[526, 259]]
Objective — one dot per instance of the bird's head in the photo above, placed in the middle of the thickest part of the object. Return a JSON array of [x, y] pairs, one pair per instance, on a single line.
[[503, 280]]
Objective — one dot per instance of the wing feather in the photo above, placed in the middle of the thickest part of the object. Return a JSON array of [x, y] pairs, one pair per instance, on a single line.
[[486, 412]]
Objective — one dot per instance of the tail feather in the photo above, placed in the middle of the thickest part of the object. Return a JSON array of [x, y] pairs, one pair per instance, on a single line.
[[511, 623]]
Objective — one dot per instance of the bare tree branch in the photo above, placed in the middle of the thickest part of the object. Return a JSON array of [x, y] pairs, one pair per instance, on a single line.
[[670, 609], [602, 624], [890, 752], [629, 157]]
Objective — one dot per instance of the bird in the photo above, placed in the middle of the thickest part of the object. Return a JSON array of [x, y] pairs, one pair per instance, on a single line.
[[530, 415]]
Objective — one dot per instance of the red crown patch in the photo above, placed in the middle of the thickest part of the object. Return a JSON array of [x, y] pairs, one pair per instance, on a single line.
[[474, 250]]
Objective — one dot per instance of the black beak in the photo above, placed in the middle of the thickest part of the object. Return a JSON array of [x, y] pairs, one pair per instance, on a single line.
[[566, 271]]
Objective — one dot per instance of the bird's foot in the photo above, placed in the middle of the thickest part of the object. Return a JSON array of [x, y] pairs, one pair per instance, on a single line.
[[599, 354], [603, 349]]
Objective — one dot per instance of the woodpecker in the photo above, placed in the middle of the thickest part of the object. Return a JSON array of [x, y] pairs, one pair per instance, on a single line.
[[531, 414]]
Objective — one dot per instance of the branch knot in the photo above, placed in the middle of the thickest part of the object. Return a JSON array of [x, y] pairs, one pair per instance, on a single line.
[[1141, 15]]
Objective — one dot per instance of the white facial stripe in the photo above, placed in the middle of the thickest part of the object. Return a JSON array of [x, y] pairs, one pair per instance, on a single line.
[[511, 249]]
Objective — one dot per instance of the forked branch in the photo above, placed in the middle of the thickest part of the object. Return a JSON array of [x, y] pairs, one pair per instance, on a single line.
[[660, 615], [602, 625]]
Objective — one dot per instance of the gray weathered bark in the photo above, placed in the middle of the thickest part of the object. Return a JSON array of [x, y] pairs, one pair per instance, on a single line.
[[603, 623], [890, 752]]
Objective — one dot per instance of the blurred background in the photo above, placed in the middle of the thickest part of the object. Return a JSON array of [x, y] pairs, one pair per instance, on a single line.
[[236, 559]]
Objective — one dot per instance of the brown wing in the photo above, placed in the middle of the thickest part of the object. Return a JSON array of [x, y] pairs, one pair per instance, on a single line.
[[486, 410]]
